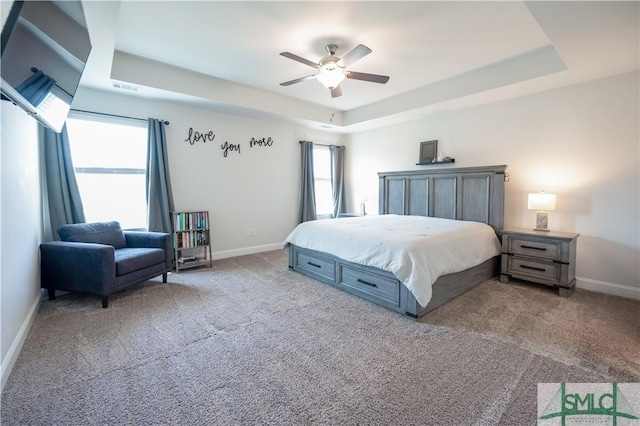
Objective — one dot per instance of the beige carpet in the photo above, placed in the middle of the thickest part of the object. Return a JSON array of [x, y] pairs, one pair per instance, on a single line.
[[249, 342], [596, 330]]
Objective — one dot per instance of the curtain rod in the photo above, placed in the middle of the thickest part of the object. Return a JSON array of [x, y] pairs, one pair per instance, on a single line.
[[322, 144], [118, 116]]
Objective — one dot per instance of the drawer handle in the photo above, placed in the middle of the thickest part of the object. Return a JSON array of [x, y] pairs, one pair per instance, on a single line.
[[314, 264], [533, 267], [534, 248], [367, 283]]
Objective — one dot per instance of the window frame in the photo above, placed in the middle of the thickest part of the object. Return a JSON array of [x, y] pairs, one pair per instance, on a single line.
[[113, 120], [320, 147]]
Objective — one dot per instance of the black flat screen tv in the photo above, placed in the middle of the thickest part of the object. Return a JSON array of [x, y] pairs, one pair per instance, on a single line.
[[45, 46]]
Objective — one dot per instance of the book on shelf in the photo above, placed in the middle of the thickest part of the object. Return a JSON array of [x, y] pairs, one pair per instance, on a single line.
[[189, 239], [191, 220]]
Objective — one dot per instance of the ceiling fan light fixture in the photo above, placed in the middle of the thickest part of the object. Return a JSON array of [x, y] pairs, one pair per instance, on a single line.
[[331, 75], [331, 69]]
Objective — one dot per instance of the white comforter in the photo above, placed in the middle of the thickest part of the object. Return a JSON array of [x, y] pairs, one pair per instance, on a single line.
[[416, 249]]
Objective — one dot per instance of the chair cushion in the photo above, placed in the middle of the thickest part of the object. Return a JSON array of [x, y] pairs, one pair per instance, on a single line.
[[133, 259], [108, 233]]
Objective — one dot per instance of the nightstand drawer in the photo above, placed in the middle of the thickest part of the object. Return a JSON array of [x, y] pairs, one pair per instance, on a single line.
[[539, 249], [542, 257], [548, 272]]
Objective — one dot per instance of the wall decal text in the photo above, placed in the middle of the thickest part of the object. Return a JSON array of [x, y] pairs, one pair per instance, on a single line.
[[260, 142], [226, 147], [195, 136]]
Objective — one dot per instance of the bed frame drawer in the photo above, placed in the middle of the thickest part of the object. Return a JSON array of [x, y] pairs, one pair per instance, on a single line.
[[316, 265], [388, 291], [383, 288]]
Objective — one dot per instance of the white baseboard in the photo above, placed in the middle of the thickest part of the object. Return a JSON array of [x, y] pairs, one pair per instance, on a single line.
[[9, 361], [608, 288], [245, 251]]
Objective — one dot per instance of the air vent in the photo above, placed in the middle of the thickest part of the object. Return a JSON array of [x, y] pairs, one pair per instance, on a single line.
[[126, 87]]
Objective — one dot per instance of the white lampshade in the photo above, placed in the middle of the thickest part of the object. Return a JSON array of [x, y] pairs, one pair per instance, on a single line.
[[330, 76], [541, 201]]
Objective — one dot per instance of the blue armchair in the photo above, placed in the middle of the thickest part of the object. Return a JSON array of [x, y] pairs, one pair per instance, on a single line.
[[100, 258]]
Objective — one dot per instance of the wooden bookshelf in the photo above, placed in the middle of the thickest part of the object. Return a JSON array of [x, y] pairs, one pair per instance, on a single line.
[[191, 239]]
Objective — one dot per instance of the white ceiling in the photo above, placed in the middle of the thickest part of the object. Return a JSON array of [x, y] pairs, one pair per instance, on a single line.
[[225, 55]]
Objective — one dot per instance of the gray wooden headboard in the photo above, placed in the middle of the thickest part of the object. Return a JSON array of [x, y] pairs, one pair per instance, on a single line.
[[464, 193]]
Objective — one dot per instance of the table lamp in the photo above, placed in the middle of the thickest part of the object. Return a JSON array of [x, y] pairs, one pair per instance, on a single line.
[[543, 203], [363, 206]]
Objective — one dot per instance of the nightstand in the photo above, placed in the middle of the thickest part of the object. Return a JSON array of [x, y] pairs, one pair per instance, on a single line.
[[542, 257]]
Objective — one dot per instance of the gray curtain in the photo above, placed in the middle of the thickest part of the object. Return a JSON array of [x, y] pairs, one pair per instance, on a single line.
[[337, 179], [308, 192], [158, 182], [61, 198]]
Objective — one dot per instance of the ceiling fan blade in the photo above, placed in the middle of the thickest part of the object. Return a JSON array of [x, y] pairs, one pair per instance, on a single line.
[[298, 80], [299, 59], [336, 92], [358, 52], [374, 78]]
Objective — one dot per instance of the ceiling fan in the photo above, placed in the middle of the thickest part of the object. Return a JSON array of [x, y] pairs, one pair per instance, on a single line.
[[332, 69]]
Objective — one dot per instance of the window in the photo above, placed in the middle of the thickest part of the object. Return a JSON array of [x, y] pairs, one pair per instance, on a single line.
[[109, 156], [55, 105], [322, 181]]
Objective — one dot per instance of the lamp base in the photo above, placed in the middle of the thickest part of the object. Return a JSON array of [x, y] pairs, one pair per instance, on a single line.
[[542, 222]]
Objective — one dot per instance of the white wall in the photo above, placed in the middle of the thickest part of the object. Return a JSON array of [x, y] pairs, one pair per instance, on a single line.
[[257, 188], [20, 231], [580, 142]]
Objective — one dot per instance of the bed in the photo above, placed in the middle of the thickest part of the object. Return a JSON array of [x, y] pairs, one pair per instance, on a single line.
[[470, 198]]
